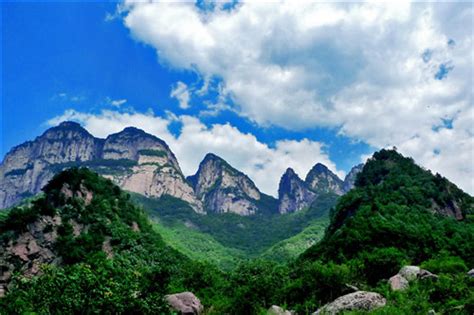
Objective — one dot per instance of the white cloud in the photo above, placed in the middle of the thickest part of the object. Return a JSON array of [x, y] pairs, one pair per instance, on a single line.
[[356, 67], [263, 164], [182, 94], [118, 103]]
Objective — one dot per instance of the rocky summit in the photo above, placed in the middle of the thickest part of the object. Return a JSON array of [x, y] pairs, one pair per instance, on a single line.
[[294, 194], [321, 180], [135, 160], [222, 188]]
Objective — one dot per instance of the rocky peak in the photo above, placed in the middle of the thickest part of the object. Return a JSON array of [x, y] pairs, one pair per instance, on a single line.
[[133, 159], [350, 179], [293, 193], [321, 180], [132, 142], [222, 188]]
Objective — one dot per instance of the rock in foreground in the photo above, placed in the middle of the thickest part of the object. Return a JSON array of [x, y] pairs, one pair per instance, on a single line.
[[186, 303], [277, 310], [360, 300]]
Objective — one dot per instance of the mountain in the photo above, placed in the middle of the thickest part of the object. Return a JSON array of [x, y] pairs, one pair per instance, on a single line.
[[350, 179], [321, 180], [135, 160], [83, 240], [293, 193], [26, 168], [222, 188], [398, 205]]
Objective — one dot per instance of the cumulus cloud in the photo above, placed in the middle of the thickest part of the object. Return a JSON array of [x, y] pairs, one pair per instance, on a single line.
[[263, 164], [181, 92], [384, 73]]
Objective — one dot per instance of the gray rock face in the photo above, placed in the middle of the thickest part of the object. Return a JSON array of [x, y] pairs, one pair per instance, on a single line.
[[133, 159], [27, 167], [360, 300], [222, 188], [29, 250], [185, 303], [350, 179], [293, 193], [321, 180], [155, 171]]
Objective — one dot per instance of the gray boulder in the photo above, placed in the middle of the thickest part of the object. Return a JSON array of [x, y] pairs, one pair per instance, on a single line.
[[470, 273], [360, 300], [277, 310], [185, 303], [398, 283], [410, 272]]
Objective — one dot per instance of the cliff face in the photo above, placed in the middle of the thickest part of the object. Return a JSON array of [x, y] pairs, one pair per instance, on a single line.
[[133, 159], [351, 177], [222, 188], [321, 180], [293, 193], [153, 171], [26, 168]]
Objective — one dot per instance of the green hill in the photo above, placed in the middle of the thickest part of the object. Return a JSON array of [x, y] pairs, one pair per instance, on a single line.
[[234, 236], [83, 247]]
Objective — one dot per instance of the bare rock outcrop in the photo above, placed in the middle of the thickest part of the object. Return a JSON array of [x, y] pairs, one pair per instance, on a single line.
[[136, 161], [222, 188], [321, 180], [293, 193]]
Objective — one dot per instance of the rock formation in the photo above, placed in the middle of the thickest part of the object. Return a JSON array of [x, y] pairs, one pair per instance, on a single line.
[[351, 177], [185, 303], [321, 180], [135, 160], [293, 193], [222, 188]]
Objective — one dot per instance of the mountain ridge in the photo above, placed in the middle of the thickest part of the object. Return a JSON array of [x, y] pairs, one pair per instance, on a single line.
[[142, 163]]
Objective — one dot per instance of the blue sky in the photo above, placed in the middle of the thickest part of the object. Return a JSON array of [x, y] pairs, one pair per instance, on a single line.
[[306, 92]]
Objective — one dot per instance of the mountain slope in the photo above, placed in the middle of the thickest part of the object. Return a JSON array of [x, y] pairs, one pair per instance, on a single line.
[[351, 177], [397, 205], [223, 189], [246, 235], [321, 180], [133, 159], [293, 193], [83, 247]]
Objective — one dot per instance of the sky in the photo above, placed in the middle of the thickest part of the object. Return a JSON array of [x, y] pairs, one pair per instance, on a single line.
[[265, 85]]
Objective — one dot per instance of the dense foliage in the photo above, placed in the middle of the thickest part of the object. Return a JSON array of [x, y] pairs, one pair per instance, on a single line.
[[245, 236], [135, 280]]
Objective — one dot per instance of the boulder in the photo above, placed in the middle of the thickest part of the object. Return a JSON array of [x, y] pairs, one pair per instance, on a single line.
[[410, 272], [398, 283], [277, 310], [185, 303], [360, 300], [470, 273]]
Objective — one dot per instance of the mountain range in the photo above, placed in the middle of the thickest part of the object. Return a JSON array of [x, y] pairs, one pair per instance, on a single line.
[[142, 163], [399, 242]]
